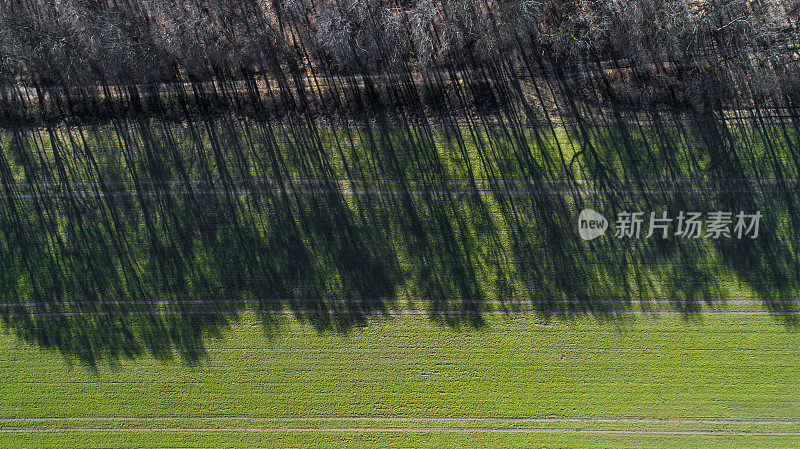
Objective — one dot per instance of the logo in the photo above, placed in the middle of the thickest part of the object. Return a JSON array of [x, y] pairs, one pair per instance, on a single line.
[[591, 224], [686, 225]]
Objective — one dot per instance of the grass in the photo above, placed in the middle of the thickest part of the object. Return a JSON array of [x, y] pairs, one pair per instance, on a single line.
[[388, 440], [715, 366], [414, 153], [644, 366]]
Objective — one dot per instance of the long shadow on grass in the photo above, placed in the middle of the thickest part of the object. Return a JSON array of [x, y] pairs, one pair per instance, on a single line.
[[148, 238]]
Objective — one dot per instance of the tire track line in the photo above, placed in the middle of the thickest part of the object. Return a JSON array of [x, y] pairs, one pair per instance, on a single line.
[[493, 302], [406, 429], [387, 311], [361, 191], [716, 421], [456, 181]]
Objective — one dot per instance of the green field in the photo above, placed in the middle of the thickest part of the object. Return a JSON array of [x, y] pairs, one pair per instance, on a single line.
[[399, 224], [238, 283], [732, 377]]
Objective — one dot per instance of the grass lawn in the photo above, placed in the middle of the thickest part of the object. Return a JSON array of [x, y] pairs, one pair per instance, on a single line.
[[724, 366], [388, 440], [626, 380]]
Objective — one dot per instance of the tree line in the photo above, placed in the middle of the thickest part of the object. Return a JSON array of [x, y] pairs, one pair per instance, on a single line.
[[656, 51]]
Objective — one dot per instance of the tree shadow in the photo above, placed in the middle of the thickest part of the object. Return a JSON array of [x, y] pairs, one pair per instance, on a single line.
[[143, 237]]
